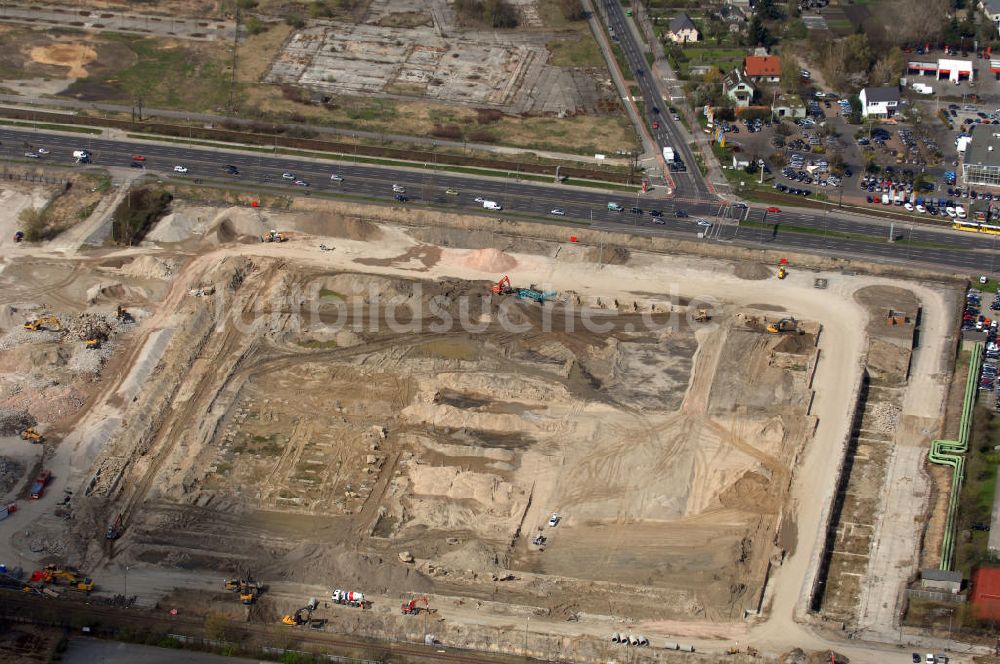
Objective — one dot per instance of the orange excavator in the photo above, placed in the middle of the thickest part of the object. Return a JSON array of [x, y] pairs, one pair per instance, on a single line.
[[502, 287], [411, 609]]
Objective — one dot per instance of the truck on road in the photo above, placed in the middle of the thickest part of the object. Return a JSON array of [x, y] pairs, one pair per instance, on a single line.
[[38, 487], [668, 154]]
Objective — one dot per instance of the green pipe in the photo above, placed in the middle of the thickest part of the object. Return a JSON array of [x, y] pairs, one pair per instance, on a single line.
[[952, 453]]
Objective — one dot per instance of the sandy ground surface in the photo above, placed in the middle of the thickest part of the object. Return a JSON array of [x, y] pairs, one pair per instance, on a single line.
[[280, 432]]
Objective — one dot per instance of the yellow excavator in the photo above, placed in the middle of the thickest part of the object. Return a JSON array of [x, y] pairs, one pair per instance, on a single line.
[[71, 577], [43, 323], [32, 435], [300, 617], [782, 273], [92, 344], [783, 326]]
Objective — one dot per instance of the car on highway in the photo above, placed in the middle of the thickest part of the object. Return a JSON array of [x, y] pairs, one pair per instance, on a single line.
[[398, 189], [453, 192], [773, 210], [656, 110], [232, 170], [635, 210], [655, 213], [42, 151], [31, 155], [180, 169], [138, 157], [656, 124], [401, 198], [288, 176], [559, 212], [659, 220], [301, 183], [614, 207], [704, 224], [137, 164], [916, 658], [681, 214], [336, 178]]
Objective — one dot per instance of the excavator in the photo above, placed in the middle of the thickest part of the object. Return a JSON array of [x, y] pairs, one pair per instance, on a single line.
[[783, 326], [301, 616], [54, 574], [411, 608], [92, 344], [502, 287], [32, 435], [273, 236], [123, 315], [43, 323]]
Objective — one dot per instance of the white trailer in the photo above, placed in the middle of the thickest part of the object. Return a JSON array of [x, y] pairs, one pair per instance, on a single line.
[[668, 154]]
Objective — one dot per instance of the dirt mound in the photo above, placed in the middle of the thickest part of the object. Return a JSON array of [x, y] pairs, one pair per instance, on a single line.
[[236, 225], [15, 420], [74, 56], [607, 255], [752, 492], [113, 292], [149, 267], [489, 260], [753, 271], [336, 225]]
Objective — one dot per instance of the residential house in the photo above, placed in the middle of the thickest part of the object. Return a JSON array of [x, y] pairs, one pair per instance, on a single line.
[[879, 102], [762, 68], [789, 106], [992, 10], [737, 89], [682, 30]]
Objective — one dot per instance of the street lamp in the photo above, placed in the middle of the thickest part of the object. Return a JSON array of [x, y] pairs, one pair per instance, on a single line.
[[526, 635]]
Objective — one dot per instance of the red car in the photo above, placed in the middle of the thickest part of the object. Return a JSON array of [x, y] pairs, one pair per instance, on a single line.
[[138, 157], [773, 209], [656, 124]]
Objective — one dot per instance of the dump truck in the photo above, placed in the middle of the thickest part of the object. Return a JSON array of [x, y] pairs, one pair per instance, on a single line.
[[273, 236], [38, 486], [348, 598]]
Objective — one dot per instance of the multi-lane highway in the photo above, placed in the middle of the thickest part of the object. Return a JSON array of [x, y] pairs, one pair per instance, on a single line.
[[668, 134], [829, 233]]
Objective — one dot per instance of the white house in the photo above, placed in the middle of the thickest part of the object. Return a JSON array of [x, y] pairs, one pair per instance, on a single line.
[[682, 30], [737, 89], [879, 102]]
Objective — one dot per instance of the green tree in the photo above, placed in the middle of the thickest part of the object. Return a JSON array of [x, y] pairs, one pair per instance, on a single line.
[[757, 33], [32, 222], [768, 9], [254, 25]]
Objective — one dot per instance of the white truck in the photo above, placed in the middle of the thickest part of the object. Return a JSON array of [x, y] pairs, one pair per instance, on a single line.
[[81, 156], [922, 88], [348, 598], [668, 154], [492, 205]]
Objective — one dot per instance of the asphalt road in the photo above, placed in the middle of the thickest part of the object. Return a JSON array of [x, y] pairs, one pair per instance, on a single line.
[[824, 233], [668, 134]]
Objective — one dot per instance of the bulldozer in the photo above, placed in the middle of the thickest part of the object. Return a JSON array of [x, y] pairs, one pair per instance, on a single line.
[[92, 344], [43, 323], [783, 326], [411, 608], [32, 435]]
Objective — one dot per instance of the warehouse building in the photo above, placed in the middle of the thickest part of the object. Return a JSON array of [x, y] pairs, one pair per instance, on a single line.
[[981, 162]]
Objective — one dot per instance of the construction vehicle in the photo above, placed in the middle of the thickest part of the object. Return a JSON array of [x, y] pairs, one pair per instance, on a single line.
[[411, 608], [232, 585], [32, 435], [92, 344], [273, 236], [782, 273], [702, 316], [301, 616], [783, 326], [43, 323], [348, 598], [249, 591], [502, 287], [115, 530], [38, 486], [123, 315], [71, 577]]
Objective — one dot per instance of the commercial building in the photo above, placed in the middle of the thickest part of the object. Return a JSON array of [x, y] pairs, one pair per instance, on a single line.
[[943, 69], [981, 160], [879, 102]]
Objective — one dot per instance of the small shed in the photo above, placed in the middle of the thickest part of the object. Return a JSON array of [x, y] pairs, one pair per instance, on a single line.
[[935, 579]]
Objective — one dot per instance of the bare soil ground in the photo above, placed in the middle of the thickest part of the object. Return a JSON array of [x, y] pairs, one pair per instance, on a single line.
[[320, 422]]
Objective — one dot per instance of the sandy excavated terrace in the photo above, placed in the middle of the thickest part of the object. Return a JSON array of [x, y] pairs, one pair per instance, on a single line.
[[317, 421]]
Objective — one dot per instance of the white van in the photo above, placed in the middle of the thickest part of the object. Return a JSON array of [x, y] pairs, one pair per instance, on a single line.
[[80, 154], [492, 205]]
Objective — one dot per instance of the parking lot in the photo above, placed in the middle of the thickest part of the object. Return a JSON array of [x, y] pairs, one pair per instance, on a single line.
[[976, 318]]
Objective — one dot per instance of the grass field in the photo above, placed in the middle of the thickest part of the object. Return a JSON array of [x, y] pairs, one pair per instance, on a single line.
[[574, 52]]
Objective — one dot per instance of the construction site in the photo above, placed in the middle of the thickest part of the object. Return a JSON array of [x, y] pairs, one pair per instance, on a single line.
[[432, 430]]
